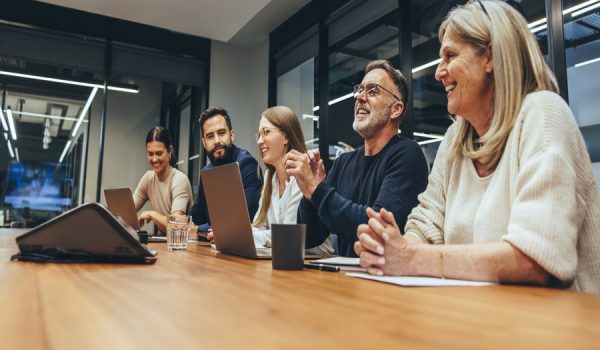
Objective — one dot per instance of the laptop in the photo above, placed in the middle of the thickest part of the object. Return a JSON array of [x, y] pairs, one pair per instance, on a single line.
[[228, 212], [120, 202]]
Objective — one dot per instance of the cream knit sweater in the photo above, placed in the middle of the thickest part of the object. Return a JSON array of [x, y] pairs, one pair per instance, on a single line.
[[541, 198]]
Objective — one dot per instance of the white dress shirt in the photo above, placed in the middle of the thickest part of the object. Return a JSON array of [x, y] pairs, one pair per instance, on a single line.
[[283, 210]]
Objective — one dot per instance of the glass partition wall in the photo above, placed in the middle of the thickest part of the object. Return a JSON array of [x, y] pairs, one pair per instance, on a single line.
[[355, 32], [64, 138]]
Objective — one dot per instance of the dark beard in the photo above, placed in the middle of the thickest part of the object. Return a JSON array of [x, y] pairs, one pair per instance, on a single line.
[[225, 159]]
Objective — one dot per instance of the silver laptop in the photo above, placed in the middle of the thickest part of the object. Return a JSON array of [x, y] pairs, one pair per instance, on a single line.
[[228, 212], [120, 202]]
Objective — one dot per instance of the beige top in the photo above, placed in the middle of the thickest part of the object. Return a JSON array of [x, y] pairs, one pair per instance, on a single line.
[[171, 193], [541, 198]]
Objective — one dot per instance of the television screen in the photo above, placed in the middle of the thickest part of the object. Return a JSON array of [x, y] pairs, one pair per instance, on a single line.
[[38, 186]]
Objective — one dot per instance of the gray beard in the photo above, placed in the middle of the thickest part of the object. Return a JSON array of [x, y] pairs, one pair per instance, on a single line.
[[368, 128]]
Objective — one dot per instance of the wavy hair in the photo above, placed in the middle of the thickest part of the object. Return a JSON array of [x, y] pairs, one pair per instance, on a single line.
[[285, 120], [519, 68]]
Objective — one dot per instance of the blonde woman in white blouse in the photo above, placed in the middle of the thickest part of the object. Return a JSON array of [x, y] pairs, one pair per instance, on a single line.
[[279, 132], [511, 196]]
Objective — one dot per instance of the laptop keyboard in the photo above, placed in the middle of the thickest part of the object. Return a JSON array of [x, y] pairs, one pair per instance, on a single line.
[[264, 251]]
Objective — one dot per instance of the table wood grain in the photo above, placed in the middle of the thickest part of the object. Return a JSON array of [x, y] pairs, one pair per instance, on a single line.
[[201, 299]]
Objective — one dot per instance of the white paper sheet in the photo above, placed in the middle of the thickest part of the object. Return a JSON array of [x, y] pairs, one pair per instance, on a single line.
[[408, 281]]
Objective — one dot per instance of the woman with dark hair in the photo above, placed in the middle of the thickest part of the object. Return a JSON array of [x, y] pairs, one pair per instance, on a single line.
[[167, 189], [278, 133]]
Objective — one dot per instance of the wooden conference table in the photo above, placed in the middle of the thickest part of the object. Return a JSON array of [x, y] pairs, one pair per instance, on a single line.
[[201, 299]]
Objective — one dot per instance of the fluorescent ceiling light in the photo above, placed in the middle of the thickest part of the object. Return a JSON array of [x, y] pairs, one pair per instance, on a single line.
[[12, 155], [587, 9], [536, 23], [427, 65], [565, 12], [429, 136], [6, 136], [539, 29], [580, 6], [4, 126], [17, 154], [84, 111], [44, 116], [429, 141], [334, 101], [310, 116], [69, 82], [587, 62], [11, 125], [64, 152]]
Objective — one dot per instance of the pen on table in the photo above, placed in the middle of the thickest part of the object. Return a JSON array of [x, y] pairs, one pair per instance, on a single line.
[[329, 268]]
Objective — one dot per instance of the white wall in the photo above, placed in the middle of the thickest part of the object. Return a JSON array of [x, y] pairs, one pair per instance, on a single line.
[[129, 117], [239, 80]]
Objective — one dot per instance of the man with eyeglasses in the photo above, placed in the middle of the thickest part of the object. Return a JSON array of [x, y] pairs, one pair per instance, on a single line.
[[388, 171], [217, 139]]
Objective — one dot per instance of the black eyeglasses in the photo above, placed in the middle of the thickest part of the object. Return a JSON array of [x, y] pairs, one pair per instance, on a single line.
[[371, 90], [483, 8]]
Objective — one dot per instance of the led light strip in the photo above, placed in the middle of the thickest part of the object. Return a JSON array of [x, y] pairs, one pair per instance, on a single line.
[[69, 82], [64, 152], [4, 125], [587, 9], [429, 141], [587, 62], [12, 155], [84, 111], [44, 116], [11, 125]]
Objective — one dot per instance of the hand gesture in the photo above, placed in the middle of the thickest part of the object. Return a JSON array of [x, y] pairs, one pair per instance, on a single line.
[[381, 247], [299, 166]]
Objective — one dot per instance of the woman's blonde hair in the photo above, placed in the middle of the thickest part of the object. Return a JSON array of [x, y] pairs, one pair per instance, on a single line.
[[285, 120], [518, 69]]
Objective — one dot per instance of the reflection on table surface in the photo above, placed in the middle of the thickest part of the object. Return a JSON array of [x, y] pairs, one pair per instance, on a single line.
[[203, 299]]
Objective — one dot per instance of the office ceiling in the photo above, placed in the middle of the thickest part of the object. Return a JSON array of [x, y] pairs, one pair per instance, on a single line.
[[239, 22]]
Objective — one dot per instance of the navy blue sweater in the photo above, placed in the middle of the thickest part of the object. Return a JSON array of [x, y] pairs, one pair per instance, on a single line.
[[391, 179], [251, 179]]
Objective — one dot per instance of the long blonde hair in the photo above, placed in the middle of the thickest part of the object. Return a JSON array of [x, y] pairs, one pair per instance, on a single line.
[[285, 120], [518, 69]]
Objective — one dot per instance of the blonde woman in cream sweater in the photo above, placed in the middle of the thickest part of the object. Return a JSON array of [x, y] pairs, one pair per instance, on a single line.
[[511, 196]]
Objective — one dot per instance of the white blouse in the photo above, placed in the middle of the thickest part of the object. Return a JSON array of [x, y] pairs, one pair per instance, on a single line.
[[283, 210]]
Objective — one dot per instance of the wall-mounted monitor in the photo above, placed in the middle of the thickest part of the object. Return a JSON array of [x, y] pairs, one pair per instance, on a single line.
[[38, 186]]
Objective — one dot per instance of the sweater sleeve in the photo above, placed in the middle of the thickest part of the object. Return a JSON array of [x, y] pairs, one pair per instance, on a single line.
[[316, 232], [426, 221], [140, 196], [546, 212], [181, 193], [405, 177], [199, 211], [252, 181]]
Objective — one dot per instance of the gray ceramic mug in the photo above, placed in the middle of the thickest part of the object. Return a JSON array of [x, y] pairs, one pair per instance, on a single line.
[[288, 242]]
